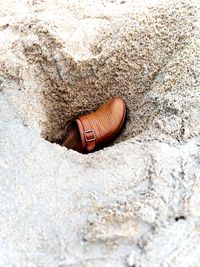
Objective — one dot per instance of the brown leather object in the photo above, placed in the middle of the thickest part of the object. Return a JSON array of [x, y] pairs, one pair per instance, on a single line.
[[102, 126]]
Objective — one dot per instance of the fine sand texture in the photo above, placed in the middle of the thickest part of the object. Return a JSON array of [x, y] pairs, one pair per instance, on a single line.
[[135, 203]]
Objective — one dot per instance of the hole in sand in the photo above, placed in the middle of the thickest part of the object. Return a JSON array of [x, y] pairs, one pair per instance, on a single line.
[[123, 60], [70, 88], [178, 218]]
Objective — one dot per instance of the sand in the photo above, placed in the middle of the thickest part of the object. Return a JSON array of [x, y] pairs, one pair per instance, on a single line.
[[135, 203]]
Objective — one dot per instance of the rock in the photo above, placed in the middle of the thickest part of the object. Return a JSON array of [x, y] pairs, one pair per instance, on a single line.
[[134, 203]]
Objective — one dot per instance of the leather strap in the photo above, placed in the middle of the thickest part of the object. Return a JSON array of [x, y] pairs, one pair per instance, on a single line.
[[87, 133]]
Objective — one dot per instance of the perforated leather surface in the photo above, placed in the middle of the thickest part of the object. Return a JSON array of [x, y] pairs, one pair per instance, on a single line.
[[103, 124]]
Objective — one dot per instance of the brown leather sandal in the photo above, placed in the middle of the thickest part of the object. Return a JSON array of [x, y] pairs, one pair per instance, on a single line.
[[95, 130]]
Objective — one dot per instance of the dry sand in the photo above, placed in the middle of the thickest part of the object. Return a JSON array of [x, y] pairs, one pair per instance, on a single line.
[[135, 203]]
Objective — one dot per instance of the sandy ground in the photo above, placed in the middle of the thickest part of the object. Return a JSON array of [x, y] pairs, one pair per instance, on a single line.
[[135, 203]]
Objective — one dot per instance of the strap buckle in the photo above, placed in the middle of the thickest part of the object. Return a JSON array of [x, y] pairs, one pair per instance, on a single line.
[[89, 139]]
